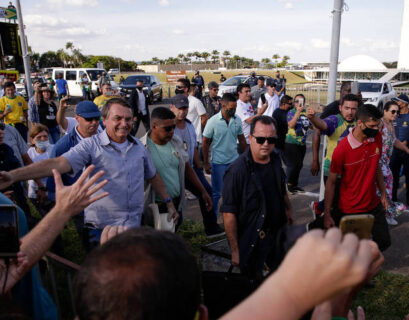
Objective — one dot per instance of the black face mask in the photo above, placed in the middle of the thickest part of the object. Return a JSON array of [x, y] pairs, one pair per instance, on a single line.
[[370, 133], [179, 91], [230, 112], [139, 88]]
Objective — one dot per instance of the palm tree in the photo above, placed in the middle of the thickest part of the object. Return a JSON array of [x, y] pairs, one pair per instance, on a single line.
[[155, 60], [265, 60], [181, 56], [205, 55], [189, 55], [63, 56], [215, 55], [276, 57], [197, 55]]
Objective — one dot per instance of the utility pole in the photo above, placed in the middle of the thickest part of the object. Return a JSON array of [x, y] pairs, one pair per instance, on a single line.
[[24, 50], [333, 71]]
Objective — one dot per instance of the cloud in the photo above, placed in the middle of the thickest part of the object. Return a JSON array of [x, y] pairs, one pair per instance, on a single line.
[[288, 5], [290, 45], [164, 3], [34, 20], [178, 31], [319, 43], [73, 3]]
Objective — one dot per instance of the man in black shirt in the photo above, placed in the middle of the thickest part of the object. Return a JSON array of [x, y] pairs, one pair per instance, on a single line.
[[280, 116], [255, 201]]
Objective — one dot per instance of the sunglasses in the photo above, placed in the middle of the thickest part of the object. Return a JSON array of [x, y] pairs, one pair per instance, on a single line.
[[91, 119], [169, 128], [270, 140], [180, 87], [215, 89], [394, 111]]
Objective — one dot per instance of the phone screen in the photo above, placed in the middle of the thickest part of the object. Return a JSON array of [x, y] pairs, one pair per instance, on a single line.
[[9, 238], [301, 101]]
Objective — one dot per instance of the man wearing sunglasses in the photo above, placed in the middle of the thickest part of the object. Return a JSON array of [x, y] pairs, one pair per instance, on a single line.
[[255, 200], [170, 156]]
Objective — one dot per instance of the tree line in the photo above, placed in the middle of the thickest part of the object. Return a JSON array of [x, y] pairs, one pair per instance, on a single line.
[[215, 56], [71, 56]]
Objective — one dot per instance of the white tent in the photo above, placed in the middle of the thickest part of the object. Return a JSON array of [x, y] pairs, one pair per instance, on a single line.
[[361, 63]]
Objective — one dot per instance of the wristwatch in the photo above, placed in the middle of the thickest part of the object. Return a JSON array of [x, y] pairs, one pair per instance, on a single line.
[[167, 200]]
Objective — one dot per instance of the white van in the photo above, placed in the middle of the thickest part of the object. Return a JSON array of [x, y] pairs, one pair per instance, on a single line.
[[73, 77]]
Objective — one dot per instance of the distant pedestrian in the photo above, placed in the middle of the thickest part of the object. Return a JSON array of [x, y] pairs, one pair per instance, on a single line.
[[280, 116], [211, 101], [252, 81], [295, 142], [47, 111], [139, 103], [271, 98], [199, 81], [62, 87], [222, 78], [258, 90]]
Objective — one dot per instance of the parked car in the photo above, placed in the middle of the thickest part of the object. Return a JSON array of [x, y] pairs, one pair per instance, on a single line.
[[73, 77], [152, 86], [230, 85], [376, 92], [21, 88], [113, 72]]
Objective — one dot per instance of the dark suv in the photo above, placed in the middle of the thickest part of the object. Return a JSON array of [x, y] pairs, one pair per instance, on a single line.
[[152, 86]]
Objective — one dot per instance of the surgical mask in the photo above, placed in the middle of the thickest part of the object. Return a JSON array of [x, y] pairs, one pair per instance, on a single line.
[[230, 112], [179, 91], [370, 133], [42, 145]]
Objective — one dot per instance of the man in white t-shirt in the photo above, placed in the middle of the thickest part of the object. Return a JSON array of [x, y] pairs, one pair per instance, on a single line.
[[245, 110], [271, 98], [197, 112]]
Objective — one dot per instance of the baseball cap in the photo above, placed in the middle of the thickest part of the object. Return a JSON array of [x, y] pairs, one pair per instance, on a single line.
[[253, 74], [270, 83], [87, 109], [403, 97], [180, 101]]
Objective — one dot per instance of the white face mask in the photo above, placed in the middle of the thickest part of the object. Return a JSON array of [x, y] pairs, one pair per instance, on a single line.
[[42, 145]]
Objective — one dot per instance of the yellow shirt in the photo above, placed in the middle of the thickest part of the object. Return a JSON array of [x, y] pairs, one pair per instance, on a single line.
[[102, 99], [17, 105]]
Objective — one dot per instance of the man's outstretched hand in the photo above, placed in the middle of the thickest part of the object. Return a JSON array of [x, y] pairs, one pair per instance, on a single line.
[[77, 197]]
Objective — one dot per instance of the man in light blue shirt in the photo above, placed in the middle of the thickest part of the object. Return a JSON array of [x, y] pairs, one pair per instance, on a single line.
[[124, 159], [222, 132]]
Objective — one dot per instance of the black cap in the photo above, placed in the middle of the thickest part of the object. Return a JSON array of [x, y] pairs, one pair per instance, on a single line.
[[180, 101]]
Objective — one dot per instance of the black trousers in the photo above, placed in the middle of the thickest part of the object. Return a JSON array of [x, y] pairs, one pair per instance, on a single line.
[[145, 120], [380, 230], [294, 156], [398, 159]]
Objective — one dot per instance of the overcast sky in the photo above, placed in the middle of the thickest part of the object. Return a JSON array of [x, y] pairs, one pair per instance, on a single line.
[[139, 30]]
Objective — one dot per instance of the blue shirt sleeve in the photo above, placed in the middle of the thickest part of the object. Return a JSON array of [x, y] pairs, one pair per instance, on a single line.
[[80, 155], [148, 166]]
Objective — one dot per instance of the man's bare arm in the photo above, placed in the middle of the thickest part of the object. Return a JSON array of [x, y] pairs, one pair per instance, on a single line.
[[329, 198], [60, 117], [205, 145], [230, 225], [203, 120], [34, 171], [70, 200], [242, 142]]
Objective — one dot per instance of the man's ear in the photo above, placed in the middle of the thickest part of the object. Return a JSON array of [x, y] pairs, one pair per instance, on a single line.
[[203, 314]]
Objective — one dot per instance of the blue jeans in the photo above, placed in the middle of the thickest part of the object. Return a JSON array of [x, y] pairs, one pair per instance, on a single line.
[[218, 171], [54, 134]]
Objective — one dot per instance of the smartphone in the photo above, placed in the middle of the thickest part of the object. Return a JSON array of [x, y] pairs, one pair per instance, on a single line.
[[360, 224], [301, 102], [263, 98], [354, 87], [9, 236]]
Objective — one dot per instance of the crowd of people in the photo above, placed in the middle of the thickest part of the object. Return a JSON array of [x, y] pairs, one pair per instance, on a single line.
[[243, 141]]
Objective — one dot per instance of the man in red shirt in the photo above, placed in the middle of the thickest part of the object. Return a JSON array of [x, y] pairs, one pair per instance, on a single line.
[[356, 160]]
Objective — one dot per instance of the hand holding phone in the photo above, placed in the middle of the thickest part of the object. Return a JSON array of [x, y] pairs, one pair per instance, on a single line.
[[360, 224]]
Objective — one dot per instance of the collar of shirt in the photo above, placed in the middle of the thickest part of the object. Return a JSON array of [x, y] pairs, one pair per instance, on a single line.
[[79, 136], [354, 143], [105, 140]]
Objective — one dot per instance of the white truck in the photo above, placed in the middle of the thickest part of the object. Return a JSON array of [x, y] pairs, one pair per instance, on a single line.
[[376, 92], [73, 77]]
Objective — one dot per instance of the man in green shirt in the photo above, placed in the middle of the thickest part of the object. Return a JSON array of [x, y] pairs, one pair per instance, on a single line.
[[171, 160]]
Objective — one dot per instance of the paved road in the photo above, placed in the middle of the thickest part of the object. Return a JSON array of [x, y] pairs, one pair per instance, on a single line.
[[397, 256]]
